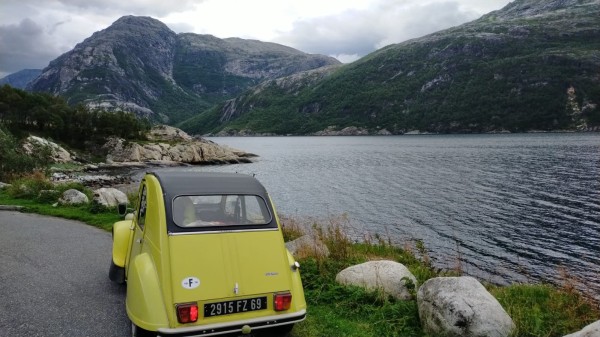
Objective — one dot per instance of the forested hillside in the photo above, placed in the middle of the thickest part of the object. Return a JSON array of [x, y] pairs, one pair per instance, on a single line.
[[530, 66]]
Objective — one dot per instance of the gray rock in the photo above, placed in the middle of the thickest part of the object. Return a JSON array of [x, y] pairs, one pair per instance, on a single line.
[[307, 245], [461, 307], [109, 197], [73, 197], [3, 185], [592, 330], [388, 276]]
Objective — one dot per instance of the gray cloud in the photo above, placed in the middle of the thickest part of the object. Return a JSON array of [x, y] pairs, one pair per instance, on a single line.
[[24, 45], [361, 32]]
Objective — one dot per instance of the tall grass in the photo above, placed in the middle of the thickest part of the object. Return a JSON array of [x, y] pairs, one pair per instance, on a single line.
[[335, 310]]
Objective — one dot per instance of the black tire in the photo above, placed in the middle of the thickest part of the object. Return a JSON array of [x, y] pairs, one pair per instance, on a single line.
[[116, 273], [136, 331]]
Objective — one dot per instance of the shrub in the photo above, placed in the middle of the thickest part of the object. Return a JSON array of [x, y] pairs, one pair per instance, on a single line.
[[30, 185], [14, 162]]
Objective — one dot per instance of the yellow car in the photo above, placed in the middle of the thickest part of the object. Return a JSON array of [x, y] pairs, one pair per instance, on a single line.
[[203, 255]]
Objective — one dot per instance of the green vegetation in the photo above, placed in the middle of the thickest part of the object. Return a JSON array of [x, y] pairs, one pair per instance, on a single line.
[[38, 195], [479, 77], [538, 310], [49, 116], [23, 113]]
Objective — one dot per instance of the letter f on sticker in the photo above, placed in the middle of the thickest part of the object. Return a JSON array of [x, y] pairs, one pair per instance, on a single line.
[[190, 282]]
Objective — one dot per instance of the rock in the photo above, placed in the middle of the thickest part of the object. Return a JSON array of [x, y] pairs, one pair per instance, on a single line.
[[109, 197], [3, 185], [388, 276], [73, 197], [592, 330], [461, 307], [307, 245], [167, 133], [180, 149], [58, 153]]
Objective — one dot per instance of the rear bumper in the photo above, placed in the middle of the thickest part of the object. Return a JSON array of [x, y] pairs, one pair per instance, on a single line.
[[235, 327]]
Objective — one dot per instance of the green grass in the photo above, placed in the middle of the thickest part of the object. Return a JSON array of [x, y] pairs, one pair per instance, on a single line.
[[336, 310], [86, 213]]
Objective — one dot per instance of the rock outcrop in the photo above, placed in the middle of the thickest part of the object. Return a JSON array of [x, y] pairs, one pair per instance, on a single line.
[[391, 277], [461, 307], [58, 153], [173, 146]]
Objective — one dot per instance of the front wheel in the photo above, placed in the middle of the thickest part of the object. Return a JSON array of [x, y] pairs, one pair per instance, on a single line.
[[136, 331], [116, 273]]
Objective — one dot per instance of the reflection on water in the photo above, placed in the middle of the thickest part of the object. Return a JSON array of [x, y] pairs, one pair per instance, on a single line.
[[511, 207]]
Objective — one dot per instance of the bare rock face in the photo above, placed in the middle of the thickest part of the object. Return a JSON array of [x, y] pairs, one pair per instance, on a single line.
[[389, 276], [58, 153], [168, 133], [461, 307], [592, 330], [178, 147]]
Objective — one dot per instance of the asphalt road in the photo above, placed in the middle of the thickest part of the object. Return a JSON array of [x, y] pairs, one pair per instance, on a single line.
[[54, 279]]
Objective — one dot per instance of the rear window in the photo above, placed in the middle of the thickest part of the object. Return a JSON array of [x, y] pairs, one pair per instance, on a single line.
[[220, 210]]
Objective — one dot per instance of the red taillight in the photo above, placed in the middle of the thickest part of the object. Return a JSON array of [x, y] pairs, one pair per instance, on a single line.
[[187, 313], [282, 301]]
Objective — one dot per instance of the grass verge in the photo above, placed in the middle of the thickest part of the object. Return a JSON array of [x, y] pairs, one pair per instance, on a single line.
[[538, 310]]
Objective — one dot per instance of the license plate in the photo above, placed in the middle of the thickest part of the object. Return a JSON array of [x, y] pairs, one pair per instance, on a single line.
[[234, 307]]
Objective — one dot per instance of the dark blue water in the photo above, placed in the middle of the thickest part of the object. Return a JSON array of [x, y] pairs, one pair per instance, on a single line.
[[505, 208]]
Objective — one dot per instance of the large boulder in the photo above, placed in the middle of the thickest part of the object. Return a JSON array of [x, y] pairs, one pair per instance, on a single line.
[[109, 197], [461, 307], [391, 277], [73, 197], [167, 133], [592, 330], [307, 245]]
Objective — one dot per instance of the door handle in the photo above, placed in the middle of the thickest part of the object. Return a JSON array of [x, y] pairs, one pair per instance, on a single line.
[[139, 240]]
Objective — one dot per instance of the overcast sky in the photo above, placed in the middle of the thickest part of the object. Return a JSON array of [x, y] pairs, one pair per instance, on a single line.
[[34, 32]]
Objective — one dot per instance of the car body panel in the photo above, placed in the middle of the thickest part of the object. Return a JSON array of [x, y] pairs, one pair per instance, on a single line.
[[166, 265], [121, 241]]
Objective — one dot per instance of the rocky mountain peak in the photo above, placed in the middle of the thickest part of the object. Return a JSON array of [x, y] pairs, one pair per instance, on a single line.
[[140, 65]]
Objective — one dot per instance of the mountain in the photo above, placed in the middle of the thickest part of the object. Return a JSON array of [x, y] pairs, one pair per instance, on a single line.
[[533, 65], [21, 78], [138, 64]]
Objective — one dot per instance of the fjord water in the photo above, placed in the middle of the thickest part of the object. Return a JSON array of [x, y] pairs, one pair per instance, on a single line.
[[507, 208]]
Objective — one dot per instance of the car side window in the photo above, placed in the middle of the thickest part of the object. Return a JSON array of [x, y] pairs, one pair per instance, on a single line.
[[143, 204]]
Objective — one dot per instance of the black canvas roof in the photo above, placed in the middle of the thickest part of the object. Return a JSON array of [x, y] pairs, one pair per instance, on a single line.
[[175, 183]]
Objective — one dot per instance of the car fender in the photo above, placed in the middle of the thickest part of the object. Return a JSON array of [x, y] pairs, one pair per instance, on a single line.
[[121, 241], [144, 302], [297, 289]]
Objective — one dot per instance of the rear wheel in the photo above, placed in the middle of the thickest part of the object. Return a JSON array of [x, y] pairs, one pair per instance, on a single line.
[[136, 331]]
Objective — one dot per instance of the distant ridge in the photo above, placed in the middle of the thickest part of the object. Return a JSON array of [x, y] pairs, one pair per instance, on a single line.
[[21, 78]]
